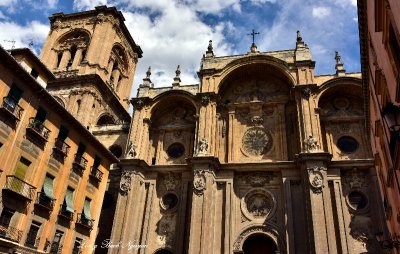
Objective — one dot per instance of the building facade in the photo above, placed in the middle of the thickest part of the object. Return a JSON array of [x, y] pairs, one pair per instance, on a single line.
[[63, 122], [379, 23], [262, 156]]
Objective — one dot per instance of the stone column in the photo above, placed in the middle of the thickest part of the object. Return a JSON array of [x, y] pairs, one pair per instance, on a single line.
[[115, 75], [110, 68], [207, 123], [78, 58], [64, 60]]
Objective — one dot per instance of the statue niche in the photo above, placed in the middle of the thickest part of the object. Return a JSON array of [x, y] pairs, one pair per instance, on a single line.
[[172, 132]]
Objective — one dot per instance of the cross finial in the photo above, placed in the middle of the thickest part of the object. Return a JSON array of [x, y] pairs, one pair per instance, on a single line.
[[253, 34]]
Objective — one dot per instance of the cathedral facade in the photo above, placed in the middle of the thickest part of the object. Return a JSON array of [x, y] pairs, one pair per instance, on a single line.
[[262, 156]]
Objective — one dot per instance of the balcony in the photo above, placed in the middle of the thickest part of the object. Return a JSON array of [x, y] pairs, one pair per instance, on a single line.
[[79, 164], [19, 188], [38, 131], [11, 108], [44, 202], [84, 222], [64, 214], [60, 150], [10, 233], [95, 174]]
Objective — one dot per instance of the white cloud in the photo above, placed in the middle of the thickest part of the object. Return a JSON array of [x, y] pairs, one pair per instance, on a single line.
[[259, 2], [7, 2], [23, 34], [88, 4], [320, 12], [175, 37]]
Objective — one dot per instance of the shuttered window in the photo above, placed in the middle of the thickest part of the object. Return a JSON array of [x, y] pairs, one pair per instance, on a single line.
[[69, 200], [48, 186], [22, 167], [86, 209]]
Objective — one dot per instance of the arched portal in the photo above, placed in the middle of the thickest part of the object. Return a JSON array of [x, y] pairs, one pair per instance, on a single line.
[[259, 244], [163, 251]]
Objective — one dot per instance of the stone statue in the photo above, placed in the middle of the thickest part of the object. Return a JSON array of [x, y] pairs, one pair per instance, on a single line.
[[131, 151], [203, 146]]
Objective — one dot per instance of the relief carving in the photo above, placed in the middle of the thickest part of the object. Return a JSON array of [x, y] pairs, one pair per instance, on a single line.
[[258, 179], [258, 203], [316, 179], [170, 181], [256, 141], [199, 182], [125, 183]]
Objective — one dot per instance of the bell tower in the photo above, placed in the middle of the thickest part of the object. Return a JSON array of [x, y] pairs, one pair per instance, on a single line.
[[94, 58]]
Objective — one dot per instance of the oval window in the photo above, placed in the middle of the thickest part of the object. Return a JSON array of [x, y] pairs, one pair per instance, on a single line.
[[347, 144], [357, 200], [175, 150], [169, 201]]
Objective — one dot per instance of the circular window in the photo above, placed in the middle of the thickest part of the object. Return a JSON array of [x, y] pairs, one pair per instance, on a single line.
[[169, 201], [347, 144], [175, 150], [357, 200]]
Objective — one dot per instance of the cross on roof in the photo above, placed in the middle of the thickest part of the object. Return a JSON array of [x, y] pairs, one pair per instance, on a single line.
[[253, 34]]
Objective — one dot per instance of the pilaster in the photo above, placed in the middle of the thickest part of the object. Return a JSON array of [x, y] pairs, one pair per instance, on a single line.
[[202, 220], [317, 195]]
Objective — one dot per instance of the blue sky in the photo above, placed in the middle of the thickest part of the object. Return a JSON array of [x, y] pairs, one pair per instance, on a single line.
[[173, 32]]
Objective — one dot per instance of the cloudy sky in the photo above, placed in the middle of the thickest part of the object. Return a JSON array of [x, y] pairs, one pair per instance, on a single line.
[[172, 32]]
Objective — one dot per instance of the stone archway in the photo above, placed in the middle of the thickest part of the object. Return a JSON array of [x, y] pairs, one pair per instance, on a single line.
[[259, 239], [259, 244]]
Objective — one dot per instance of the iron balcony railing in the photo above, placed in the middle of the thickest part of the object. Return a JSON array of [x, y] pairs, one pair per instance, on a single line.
[[83, 221], [20, 187], [10, 233], [61, 146], [39, 128], [44, 201], [64, 213], [79, 163], [12, 107], [32, 240], [96, 174]]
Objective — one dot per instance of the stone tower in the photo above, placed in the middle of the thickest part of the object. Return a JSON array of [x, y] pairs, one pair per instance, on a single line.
[[94, 58], [262, 156]]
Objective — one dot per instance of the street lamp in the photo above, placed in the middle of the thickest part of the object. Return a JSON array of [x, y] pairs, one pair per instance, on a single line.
[[387, 243], [391, 114]]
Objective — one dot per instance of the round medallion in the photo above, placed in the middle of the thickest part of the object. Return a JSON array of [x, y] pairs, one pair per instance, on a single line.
[[258, 204], [256, 141]]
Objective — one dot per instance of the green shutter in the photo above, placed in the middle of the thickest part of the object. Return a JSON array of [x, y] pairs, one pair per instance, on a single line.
[[48, 187], [22, 167], [86, 209], [69, 200]]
